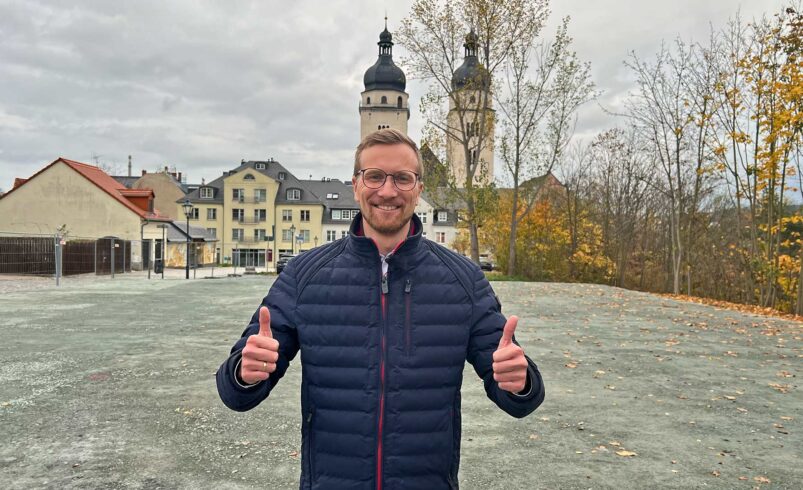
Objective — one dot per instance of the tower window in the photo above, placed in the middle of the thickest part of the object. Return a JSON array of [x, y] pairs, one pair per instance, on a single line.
[[368, 101], [384, 100], [399, 102]]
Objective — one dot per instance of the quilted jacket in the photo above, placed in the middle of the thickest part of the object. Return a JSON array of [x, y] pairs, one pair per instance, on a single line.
[[383, 359]]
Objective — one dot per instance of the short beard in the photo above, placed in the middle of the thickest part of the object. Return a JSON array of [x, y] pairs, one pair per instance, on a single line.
[[386, 228]]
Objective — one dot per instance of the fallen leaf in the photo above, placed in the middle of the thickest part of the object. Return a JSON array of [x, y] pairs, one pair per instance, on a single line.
[[599, 373], [783, 417], [533, 437], [615, 443], [762, 479], [779, 387], [784, 374], [626, 454], [728, 397], [743, 410], [743, 478], [571, 365], [715, 473], [293, 454]]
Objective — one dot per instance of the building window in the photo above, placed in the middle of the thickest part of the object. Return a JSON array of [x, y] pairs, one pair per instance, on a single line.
[[238, 194], [282, 175], [260, 215], [287, 235], [287, 215], [259, 166], [207, 193], [368, 101], [442, 216], [248, 177], [399, 102], [331, 235], [238, 214], [305, 215], [384, 100], [259, 235], [194, 213], [332, 195], [440, 237], [304, 234], [424, 234], [293, 194], [423, 217], [211, 214], [212, 232], [260, 195], [343, 234], [237, 234]]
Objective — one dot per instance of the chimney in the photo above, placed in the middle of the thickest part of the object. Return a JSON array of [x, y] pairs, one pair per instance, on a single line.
[[203, 181], [129, 165], [144, 171], [179, 177], [165, 168]]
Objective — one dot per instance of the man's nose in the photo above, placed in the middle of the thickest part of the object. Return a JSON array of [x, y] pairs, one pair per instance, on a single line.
[[388, 188]]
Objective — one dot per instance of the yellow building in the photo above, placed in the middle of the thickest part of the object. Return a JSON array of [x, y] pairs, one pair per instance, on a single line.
[[257, 211], [82, 201]]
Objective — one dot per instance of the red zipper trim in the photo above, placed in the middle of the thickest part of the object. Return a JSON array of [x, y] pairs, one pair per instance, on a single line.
[[381, 397], [383, 348]]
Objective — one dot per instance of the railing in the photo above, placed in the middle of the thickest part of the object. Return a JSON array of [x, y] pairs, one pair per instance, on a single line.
[[251, 220], [249, 200]]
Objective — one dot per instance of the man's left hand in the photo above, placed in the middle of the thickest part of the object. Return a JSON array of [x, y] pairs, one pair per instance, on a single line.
[[510, 365]]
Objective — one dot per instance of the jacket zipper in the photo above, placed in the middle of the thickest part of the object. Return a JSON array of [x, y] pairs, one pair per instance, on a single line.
[[311, 451], [408, 341], [383, 327]]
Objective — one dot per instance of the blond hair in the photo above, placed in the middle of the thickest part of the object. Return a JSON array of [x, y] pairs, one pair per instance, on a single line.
[[387, 136]]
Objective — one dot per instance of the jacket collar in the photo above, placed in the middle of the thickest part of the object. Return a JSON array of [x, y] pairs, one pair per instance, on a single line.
[[362, 245]]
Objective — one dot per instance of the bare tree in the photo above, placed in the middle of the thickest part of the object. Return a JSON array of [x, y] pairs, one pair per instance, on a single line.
[[433, 35]]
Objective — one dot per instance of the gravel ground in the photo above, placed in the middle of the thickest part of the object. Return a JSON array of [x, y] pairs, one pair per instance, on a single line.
[[110, 384]]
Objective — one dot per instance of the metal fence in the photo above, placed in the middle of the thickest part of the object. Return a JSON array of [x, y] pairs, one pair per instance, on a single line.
[[57, 256]]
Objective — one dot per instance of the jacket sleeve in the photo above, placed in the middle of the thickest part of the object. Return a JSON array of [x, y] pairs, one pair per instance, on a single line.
[[281, 301], [487, 323]]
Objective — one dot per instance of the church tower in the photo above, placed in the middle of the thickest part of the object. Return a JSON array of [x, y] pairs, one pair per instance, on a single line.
[[383, 103], [471, 113]]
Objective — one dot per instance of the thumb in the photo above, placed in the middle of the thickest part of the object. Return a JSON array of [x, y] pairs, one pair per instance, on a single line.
[[507, 333], [264, 322]]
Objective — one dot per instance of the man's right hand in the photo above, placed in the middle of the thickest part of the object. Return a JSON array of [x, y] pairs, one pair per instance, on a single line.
[[260, 353]]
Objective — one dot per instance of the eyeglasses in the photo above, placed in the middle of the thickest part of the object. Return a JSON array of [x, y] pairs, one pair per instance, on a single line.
[[374, 178]]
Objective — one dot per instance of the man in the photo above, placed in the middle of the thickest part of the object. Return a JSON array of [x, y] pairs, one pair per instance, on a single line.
[[385, 321]]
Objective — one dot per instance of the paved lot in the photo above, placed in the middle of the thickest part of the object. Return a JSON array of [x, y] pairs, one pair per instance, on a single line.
[[109, 384]]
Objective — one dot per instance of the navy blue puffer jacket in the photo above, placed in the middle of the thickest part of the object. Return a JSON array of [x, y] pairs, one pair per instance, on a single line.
[[382, 360]]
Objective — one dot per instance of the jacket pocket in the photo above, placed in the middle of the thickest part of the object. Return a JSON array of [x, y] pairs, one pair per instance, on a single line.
[[408, 322], [310, 416]]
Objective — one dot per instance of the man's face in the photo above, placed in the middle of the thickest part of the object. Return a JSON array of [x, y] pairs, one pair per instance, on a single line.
[[387, 210]]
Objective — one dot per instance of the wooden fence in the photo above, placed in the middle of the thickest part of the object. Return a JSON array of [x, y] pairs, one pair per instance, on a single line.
[[37, 256]]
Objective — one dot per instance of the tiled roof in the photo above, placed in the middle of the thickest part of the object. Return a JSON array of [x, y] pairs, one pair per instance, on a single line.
[[106, 183]]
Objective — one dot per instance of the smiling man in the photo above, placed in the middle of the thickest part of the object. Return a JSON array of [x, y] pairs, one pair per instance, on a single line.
[[385, 321]]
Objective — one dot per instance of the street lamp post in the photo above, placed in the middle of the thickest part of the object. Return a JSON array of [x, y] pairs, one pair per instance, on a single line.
[[187, 206], [292, 239]]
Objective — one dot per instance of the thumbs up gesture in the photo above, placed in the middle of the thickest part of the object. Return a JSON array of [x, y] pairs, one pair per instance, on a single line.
[[510, 365], [260, 353]]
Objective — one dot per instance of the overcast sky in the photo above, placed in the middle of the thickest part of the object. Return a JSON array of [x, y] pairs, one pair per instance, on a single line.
[[200, 85]]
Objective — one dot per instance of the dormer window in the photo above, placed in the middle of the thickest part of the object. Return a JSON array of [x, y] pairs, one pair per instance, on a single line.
[[384, 100], [293, 194], [248, 177], [260, 166], [207, 193], [332, 195], [282, 175]]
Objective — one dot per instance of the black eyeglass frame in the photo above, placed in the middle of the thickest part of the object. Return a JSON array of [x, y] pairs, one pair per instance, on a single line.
[[361, 173]]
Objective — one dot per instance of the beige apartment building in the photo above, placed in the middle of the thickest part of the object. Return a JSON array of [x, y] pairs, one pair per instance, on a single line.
[[257, 211]]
